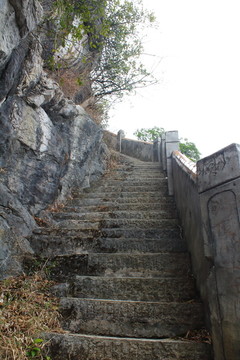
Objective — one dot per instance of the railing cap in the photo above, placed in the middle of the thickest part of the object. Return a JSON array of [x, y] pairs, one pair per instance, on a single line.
[[172, 136], [186, 164], [219, 168]]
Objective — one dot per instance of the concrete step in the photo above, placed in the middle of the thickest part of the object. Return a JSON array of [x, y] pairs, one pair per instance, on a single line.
[[87, 233], [90, 233], [124, 187], [115, 206], [88, 347], [50, 246], [134, 181], [142, 175], [157, 264], [179, 289], [138, 169], [146, 166], [121, 265], [123, 271], [117, 223], [152, 233], [124, 194], [135, 163], [130, 318], [140, 223], [138, 246], [141, 200], [159, 189], [131, 170], [116, 214]]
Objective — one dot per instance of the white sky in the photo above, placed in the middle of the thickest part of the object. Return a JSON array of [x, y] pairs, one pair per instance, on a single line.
[[199, 92]]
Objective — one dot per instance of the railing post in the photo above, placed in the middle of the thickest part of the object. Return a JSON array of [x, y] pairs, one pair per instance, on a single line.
[[156, 154], [120, 136], [163, 152], [159, 151], [219, 191], [172, 144]]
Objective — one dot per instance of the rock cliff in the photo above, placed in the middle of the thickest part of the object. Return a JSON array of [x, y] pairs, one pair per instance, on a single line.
[[48, 144]]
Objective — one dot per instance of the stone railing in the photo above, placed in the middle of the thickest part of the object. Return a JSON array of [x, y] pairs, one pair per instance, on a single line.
[[141, 150], [207, 196]]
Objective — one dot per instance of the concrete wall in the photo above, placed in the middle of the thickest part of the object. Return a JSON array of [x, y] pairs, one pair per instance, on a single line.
[[219, 189], [138, 149], [208, 204], [189, 210]]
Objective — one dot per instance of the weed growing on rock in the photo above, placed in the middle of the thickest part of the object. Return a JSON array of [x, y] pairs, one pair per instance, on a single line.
[[113, 161]]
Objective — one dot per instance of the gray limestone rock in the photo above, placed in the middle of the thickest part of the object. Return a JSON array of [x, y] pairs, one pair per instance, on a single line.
[[44, 154], [9, 33], [48, 145]]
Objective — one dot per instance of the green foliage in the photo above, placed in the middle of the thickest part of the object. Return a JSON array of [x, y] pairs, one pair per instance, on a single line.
[[78, 18], [113, 28], [189, 149], [186, 147], [149, 134], [39, 264], [119, 69], [35, 351]]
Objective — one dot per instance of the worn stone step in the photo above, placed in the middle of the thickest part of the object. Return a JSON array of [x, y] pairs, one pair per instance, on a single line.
[[50, 246], [108, 206], [89, 347], [89, 233], [179, 289], [138, 169], [128, 182], [103, 199], [146, 166], [134, 181], [117, 223], [120, 172], [157, 264], [130, 188], [116, 214], [164, 244], [153, 233], [135, 163], [144, 175], [130, 318], [133, 194], [121, 265], [140, 223]]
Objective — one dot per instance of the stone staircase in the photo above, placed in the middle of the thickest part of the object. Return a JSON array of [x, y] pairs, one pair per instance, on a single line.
[[124, 273]]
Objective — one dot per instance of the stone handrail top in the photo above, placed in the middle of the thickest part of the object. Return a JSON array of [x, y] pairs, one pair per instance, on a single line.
[[188, 165]]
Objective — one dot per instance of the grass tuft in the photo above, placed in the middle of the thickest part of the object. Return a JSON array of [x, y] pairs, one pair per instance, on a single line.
[[27, 309]]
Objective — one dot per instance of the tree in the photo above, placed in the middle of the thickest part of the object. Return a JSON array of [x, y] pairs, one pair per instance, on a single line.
[[113, 29], [186, 147], [189, 149], [149, 134], [119, 69]]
